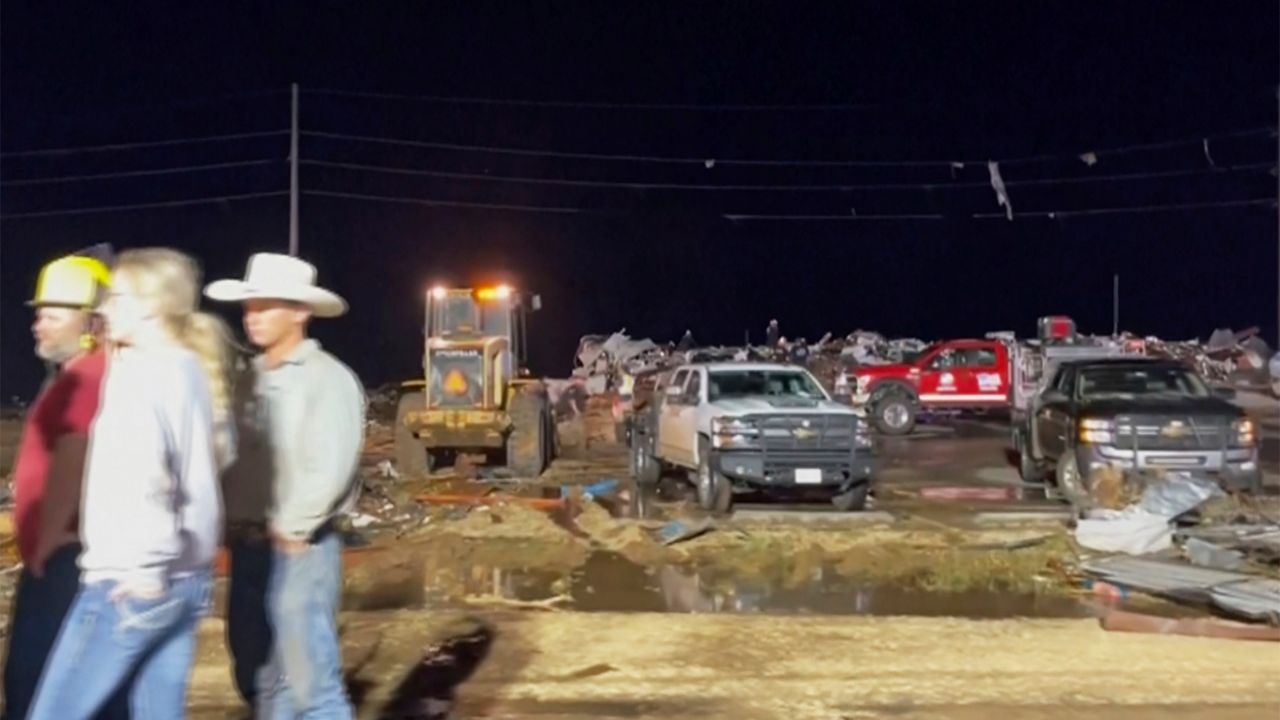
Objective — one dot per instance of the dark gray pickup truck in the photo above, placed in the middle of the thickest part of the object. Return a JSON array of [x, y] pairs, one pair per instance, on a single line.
[[1141, 416]]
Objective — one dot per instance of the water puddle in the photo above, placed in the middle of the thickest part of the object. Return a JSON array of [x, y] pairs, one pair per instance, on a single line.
[[608, 582]]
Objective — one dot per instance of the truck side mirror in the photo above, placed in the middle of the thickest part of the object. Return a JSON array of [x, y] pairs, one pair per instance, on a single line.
[[673, 392], [1053, 396]]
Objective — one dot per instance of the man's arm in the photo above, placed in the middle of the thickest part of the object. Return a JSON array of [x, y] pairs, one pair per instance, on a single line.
[[332, 445], [61, 500]]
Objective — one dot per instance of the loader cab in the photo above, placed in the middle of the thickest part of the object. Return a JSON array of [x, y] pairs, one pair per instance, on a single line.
[[475, 345], [459, 315]]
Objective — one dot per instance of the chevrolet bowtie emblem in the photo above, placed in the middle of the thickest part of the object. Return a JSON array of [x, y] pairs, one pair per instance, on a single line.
[[1175, 429], [804, 433]]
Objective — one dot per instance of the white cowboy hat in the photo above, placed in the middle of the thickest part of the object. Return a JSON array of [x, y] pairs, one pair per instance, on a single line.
[[279, 277]]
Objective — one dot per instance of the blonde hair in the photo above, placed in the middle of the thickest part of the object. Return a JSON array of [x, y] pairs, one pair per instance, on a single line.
[[172, 279]]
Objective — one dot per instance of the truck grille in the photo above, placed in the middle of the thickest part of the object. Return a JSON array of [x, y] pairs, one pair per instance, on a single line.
[[806, 432], [1173, 432]]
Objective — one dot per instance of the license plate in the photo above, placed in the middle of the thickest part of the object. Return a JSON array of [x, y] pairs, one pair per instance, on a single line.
[[808, 476]]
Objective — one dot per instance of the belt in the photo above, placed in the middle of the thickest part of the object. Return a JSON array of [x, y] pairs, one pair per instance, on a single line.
[[258, 532], [247, 532], [327, 528]]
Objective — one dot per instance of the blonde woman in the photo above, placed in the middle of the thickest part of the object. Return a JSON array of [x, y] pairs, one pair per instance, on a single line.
[[151, 512]]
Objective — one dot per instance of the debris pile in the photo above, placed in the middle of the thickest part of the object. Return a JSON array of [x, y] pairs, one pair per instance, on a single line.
[[1225, 357], [1245, 596], [609, 363], [382, 401], [605, 362], [602, 361]]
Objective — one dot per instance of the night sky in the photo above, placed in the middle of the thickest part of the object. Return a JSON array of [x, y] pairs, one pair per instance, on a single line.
[[914, 86]]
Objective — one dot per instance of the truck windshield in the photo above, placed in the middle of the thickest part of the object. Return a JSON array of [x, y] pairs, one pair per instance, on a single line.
[[1140, 381], [726, 384]]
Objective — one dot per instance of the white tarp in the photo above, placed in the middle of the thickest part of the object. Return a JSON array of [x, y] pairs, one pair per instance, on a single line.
[[1146, 526]]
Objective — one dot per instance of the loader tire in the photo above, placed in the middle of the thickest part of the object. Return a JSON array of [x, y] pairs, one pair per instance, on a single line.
[[412, 458], [528, 445]]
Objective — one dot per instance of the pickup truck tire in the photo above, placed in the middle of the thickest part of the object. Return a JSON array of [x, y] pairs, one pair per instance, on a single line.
[[1028, 467], [715, 491], [852, 500], [1070, 483], [894, 413], [412, 458], [644, 466]]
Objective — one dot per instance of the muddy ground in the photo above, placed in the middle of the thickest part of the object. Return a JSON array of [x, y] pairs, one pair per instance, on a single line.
[[957, 597], [580, 665]]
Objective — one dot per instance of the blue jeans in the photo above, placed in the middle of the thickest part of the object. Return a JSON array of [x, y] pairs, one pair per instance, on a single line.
[[248, 623], [40, 604], [304, 677], [106, 644]]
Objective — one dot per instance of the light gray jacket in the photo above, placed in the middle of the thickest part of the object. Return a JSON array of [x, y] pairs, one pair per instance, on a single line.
[[301, 428]]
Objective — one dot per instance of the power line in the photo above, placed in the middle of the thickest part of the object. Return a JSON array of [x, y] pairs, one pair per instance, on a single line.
[[595, 105], [1137, 176], [527, 180], [142, 206], [711, 161], [818, 218], [173, 104], [136, 173], [137, 145], [528, 152], [1056, 214], [450, 203]]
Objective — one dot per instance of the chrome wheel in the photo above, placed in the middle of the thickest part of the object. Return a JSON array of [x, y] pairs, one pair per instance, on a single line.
[[703, 485], [1071, 483], [895, 415]]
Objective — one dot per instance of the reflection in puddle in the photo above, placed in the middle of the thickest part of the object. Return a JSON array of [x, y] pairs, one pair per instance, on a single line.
[[608, 582]]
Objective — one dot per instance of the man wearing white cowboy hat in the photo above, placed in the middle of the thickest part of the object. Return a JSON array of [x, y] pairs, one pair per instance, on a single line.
[[301, 424]]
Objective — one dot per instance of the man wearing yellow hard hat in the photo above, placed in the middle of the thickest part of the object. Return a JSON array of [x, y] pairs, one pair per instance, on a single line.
[[50, 462]]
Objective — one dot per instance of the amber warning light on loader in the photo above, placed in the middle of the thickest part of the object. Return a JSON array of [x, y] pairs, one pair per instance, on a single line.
[[501, 292], [455, 383]]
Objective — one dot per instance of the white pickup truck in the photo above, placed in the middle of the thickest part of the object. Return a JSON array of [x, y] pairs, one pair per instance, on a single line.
[[752, 426]]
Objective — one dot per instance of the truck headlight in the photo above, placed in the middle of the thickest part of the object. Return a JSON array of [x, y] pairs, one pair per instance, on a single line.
[[733, 432], [1097, 432], [1244, 433], [731, 425], [864, 382], [862, 434]]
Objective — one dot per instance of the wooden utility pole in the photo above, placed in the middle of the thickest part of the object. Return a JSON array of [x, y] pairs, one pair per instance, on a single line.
[[293, 176]]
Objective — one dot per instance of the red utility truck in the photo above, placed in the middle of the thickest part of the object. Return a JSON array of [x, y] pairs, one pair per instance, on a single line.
[[950, 375]]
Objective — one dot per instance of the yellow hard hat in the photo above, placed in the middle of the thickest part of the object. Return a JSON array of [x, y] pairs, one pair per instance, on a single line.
[[72, 281]]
